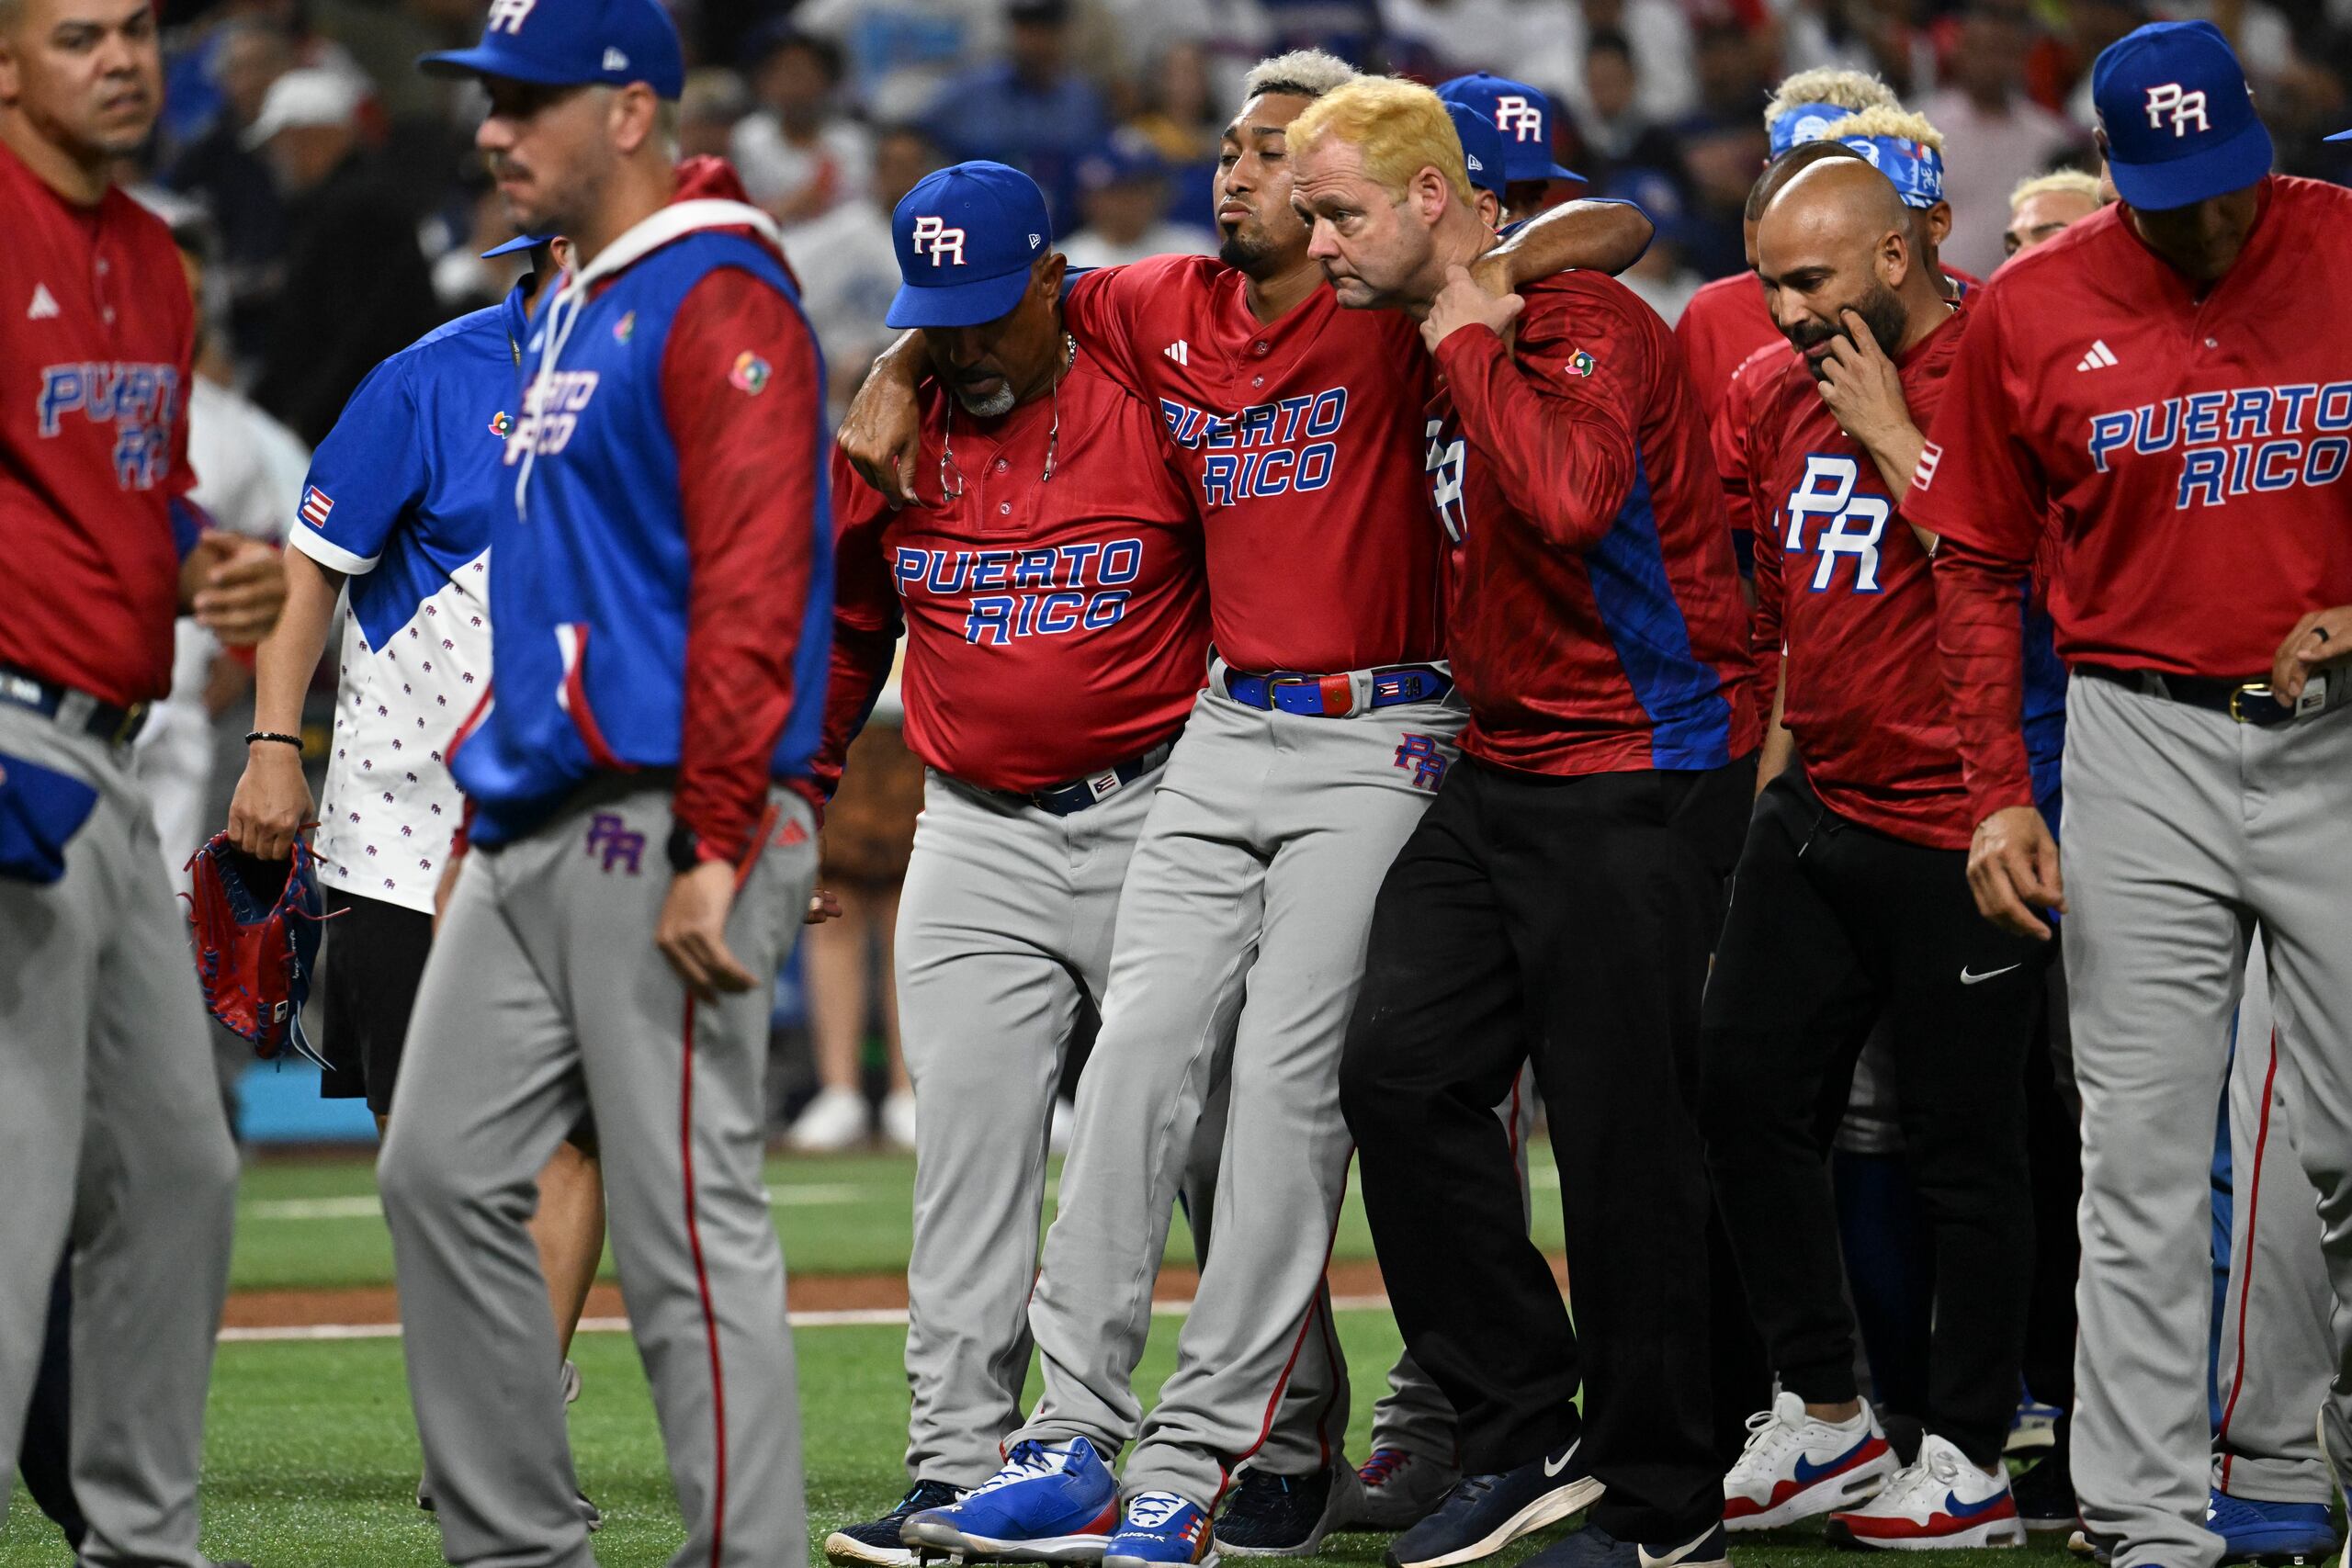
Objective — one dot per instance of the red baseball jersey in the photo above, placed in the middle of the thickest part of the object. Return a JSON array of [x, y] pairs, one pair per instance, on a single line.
[[1299, 439], [2187, 448], [1053, 628], [1725, 322], [1728, 435], [1845, 593], [94, 391], [1597, 624]]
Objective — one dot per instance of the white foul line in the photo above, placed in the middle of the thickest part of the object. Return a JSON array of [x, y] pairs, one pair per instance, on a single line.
[[859, 1318]]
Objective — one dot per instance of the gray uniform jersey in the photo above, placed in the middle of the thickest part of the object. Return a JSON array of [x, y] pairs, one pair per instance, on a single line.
[[111, 1139], [544, 998], [2183, 831]]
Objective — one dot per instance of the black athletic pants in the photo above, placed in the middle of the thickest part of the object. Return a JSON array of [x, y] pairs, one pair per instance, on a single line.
[[1568, 920], [1830, 924]]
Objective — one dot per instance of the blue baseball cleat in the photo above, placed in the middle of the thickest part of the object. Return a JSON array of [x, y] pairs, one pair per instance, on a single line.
[[1161, 1530], [1051, 1503], [2254, 1531]]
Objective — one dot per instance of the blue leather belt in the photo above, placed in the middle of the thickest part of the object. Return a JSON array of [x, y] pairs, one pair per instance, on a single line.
[[1070, 799], [1334, 696], [77, 711]]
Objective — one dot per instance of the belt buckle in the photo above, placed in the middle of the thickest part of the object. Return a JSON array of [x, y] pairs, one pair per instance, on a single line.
[[126, 730], [2252, 689]]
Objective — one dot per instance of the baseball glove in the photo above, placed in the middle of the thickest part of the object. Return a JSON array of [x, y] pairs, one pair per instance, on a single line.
[[256, 936]]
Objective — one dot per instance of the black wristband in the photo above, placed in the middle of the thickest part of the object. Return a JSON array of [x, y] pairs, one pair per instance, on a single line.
[[293, 740], [684, 848]]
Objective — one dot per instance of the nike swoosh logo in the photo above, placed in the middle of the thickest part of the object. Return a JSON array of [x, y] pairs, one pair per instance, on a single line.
[[1970, 977], [1808, 1472], [1553, 1467], [1647, 1558], [1959, 1510]]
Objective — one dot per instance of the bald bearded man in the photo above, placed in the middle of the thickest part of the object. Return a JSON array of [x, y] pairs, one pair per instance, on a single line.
[[1853, 901]]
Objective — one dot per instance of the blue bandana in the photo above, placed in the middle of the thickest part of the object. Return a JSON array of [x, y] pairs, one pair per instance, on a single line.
[[1917, 169], [1802, 123]]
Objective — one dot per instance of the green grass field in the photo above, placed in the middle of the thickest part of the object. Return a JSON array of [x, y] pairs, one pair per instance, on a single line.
[[312, 1456]]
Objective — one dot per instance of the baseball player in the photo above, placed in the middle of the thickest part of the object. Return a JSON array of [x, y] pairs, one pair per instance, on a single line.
[[1049, 587], [2188, 434], [398, 506], [1598, 640], [1853, 901], [110, 1144], [635, 870], [1327, 722], [1725, 321], [1521, 117]]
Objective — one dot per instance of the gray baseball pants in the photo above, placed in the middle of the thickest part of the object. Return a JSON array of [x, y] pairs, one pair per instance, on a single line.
[[111, 1142], [1004, 924], [2184, 832], [1245, 914], [545, 997], [2278, 1336]]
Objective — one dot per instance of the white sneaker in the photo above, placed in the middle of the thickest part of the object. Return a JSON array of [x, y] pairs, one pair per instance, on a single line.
[[1942, 1501], [1796, 1466], [899, 1119], [834, 1121]]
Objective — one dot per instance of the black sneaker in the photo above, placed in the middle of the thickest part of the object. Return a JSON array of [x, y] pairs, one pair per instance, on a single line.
[[1282, 1516], [1484, 1514], [878, 1542], [1593, 1546], [2045, 1495]]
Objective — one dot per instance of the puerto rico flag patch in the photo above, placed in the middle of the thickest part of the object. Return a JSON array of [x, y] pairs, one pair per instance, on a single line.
[[316, 505], [751, 373]]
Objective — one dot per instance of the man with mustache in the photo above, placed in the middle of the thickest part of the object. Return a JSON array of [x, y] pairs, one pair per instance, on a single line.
[[1327, 722], [112, 1148], [1050, 589], [1853, 901]]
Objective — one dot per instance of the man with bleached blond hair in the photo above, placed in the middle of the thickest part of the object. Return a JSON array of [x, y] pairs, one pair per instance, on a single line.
[[1559, 899], [2043, 205]]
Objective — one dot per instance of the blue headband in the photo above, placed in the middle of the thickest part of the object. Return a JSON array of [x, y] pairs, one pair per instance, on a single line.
[[1803, 122], [1917, 169]]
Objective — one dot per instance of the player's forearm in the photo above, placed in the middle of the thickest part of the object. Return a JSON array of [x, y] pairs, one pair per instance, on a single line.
[[289, 655], [1980, 639], [1896, 454], [1597, 236]]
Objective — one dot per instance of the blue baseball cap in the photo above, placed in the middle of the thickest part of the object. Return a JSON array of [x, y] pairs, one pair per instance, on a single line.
[[565, 44], [1800, 123], [1482, 147], [966, 237], [1520, 115], [2179, 121], [2342, 136], [520, 243]]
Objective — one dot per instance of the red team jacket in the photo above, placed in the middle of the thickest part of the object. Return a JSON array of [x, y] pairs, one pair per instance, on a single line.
[[2190, 450], [1842, 586], [1725, 322], [94, 476], [1297, 439], [1597, 627], [1053, 629]]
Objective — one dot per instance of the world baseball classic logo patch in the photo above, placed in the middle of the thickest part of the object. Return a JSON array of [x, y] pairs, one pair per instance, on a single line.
[[1423, 758], [749, 374], [609, 835]]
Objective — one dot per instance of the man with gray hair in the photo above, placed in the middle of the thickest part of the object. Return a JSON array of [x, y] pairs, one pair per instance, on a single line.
[[1328, 723]]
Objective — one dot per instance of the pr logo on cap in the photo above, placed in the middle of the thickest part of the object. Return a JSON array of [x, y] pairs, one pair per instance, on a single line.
[[2184, 106], [508, 16], [933, 236], [1518, 119]]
